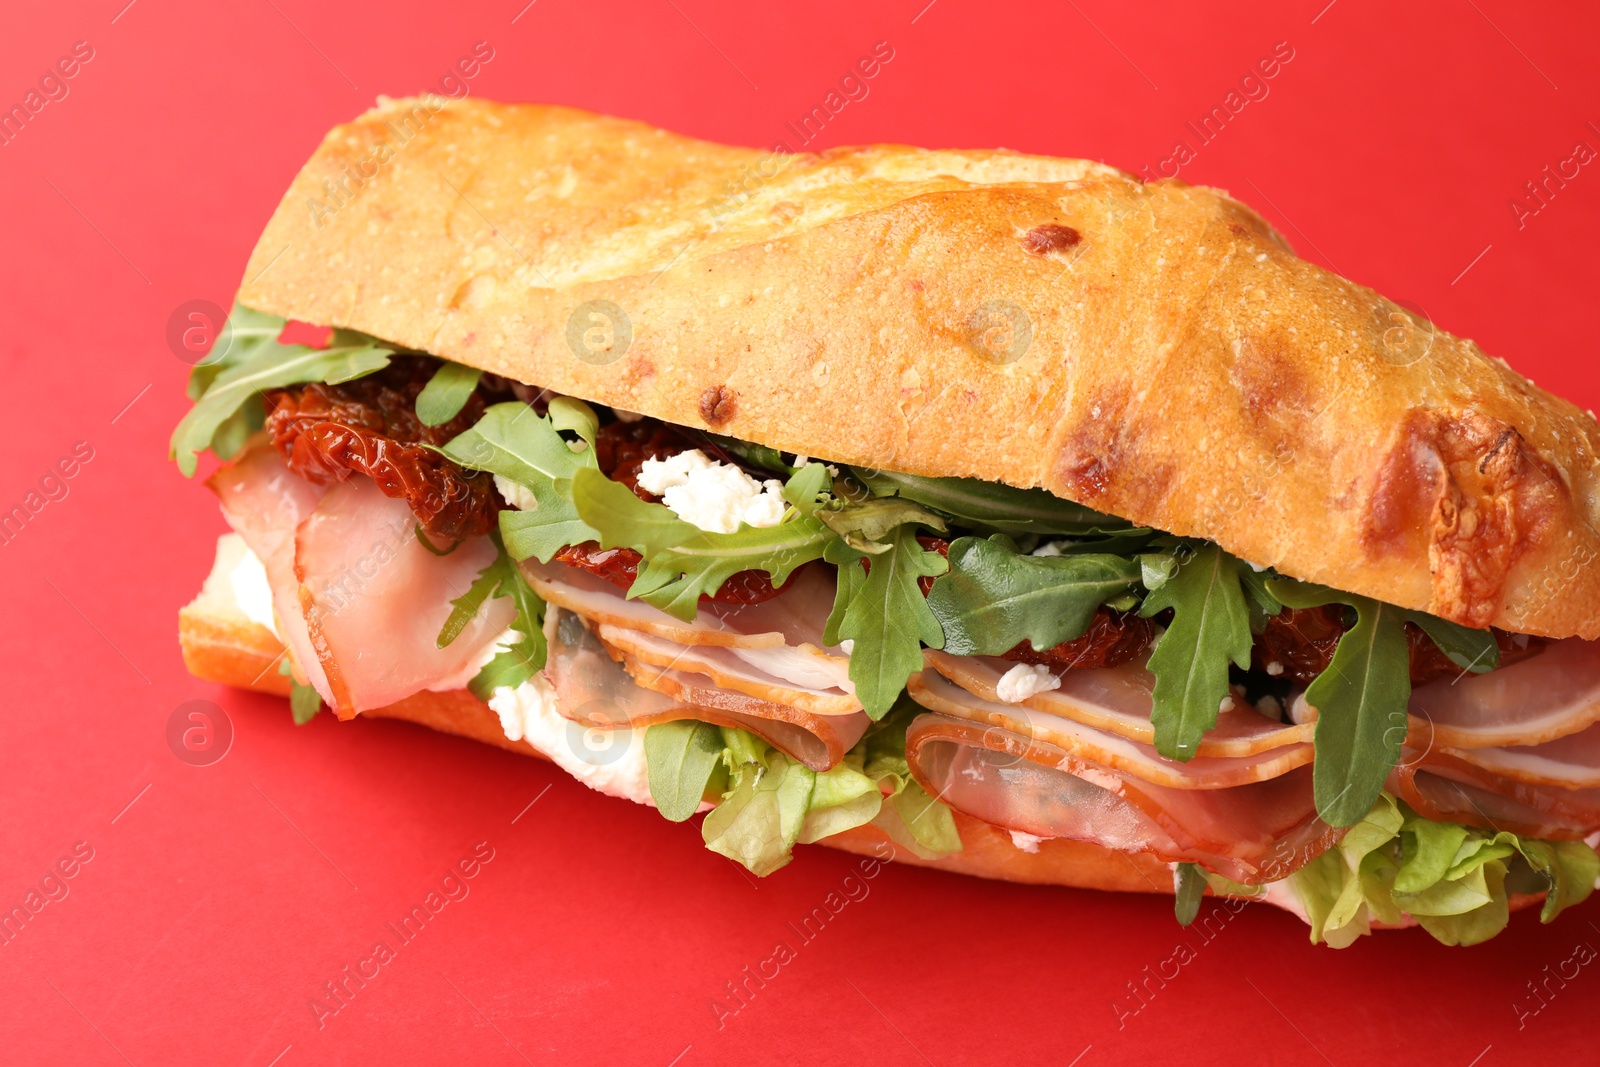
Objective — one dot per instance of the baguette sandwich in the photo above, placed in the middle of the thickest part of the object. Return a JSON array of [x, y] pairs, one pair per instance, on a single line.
[[1000, 513]]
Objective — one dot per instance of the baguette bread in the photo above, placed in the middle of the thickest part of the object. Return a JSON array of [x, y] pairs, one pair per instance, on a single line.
[[1155, 351]]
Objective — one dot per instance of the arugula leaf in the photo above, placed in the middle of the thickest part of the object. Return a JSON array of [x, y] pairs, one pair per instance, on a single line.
[[680, 759], [995, 597], [523, 447], [864, 526], [889, 620], [808, 488], [1263, 605], [1360, 700], [847, 587], [1210, 627], [256, 361], [247, 330], [991, 504], [1471, 650], [681, 562], [1189, 885], [526, 656], [446, 393], [304, 702], [465, 607], [758, 455]]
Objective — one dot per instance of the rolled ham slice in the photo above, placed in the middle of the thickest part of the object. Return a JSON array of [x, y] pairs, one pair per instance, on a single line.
[[728, 669], [375, 599], [1091, 747], [1117, 700], [794, 617], [264, 501], [1529, 702], [1570, 762], [1442, 786], [596, 690], [1251, 834]]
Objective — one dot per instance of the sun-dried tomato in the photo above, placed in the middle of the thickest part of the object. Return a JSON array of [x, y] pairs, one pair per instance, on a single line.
[[1299, 644], [1113, 637], [370, 426]]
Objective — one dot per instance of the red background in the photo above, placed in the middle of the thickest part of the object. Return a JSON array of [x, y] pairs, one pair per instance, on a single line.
[[221, 900]]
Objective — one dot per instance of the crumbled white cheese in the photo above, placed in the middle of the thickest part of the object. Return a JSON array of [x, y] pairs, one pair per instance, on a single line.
[[251, 590], [1025, 680], [516, 495], [623, 415], [1050, 548], [848, 645], [801, 461], [714, 496], [1225, 706], [611, 761], [1274, 668], [1271, 707], [1026, 842]]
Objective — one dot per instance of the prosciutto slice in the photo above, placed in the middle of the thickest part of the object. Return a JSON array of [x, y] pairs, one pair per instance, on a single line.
[[1117, 700], [1444, 787], [1529, 702], [264, 501], [375, 599], [594, 689], [1252, 833], [1085, 745]]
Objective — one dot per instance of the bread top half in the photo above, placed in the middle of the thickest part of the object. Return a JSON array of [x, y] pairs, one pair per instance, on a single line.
[[1152, 350]]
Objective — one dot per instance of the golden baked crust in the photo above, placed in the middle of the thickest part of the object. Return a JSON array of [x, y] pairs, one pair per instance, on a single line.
[[1152, 350]]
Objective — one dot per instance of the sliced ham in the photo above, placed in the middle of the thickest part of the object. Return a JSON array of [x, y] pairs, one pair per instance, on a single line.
[[1534, 700], [1442, 786], [729, 670], [594, 689], [1570, 762], [795, 617], [264, 502], [1251, 833], [375, 599], [1097, 748], [1118, 699]]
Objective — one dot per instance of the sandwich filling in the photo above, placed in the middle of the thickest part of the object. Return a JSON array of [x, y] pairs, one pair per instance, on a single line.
[[798, 648]]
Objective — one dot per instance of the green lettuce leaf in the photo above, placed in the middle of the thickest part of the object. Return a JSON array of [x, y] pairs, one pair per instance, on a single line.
[[1471, 650], [682, 562], [994, 597], [446, 393], [888, 618], [511, 440], [1210, 628], [304, 701], [1454, 880], [256, 361], [911, 818]]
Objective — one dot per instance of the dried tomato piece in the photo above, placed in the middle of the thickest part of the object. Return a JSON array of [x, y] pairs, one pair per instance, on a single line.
[[370, 426], [1301, 643], [1113, 637]]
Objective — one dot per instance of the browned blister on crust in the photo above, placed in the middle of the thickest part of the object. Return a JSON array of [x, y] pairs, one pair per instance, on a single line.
[[1171, 362]]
